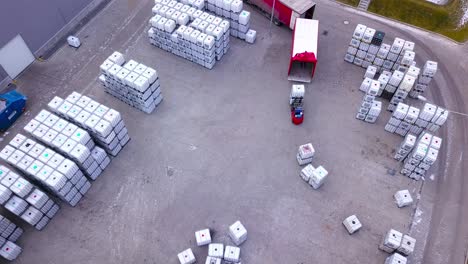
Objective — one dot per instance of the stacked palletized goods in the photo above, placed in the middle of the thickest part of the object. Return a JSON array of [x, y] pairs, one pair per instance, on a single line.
[[428, 72], [404, 88], [411, 119], [239, 19], [405, 147], [392, 85], [370, 108], [133, 83], [422, 156], [188, 32], [25, 200], [9, 233], [397, 244], [52, 171], [66, 139], [103, 123]]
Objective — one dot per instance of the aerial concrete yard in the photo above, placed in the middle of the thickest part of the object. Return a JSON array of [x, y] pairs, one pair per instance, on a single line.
[[221, 147]]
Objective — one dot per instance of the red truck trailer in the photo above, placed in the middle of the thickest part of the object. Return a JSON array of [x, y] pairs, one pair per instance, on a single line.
[[286, 11], [304, 50]]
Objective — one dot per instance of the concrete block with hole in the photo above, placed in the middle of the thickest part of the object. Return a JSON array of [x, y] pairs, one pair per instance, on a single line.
[[212, 260], [216, 250], [238, 233], [407, 245], [352, 224], [391, 241], [186, 257], [403, 198], [395, 259], [203, 237], [232, 253]]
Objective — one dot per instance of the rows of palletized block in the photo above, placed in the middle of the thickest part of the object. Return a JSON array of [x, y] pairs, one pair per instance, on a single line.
[[59, 175], [103, 123], [67, 139], [133, 83], [25, 200], [8, 249]]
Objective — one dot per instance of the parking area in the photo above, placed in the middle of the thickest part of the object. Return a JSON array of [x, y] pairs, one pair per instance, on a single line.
[[221, 147]]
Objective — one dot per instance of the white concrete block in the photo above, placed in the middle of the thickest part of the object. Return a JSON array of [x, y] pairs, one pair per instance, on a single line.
[[352, 224], [407, 245], [186, 257], [216, 250], [403, 198], [203, 237], [238, 233]]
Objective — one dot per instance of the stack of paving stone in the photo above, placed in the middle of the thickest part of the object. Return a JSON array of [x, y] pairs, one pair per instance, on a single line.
[[133, 83], [405, 87], [392, 85], [305, 154], [66, 139], [8, 249], [52, 171], [8, 230], [239, 19], [370, 108], [422, 156], [428, 72], [403, 198], [188, 32], [25, 200], [103, 123], [314, 176], [411, 119], [217, 253], [397, 244]]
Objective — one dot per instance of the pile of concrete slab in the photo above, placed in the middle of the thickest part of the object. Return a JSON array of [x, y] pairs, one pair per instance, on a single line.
[[409, 119], [370, 108], [239, 19], [216, 251], [9, 233], [25, 200], [188, 32], [133, 83], [104, 124], [421, 156], [397, 244], [67, 139], [315, 177], [55, 173]]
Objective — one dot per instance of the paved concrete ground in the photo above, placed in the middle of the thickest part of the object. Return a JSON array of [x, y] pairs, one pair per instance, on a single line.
[[221, 147]]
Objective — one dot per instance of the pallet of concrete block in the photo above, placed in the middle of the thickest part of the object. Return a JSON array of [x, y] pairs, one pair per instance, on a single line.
[[133, 83], [9, 230], [424, 79], [9, 250], [406, 119], [67, 139], [404, 88], [370, 108], [315, 177], [105, 124], [422, 156], [25, 200], [53, 172], [189, 33], [395, 241]]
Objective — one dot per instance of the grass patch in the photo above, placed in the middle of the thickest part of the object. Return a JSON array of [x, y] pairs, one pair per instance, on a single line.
[[441, 19]]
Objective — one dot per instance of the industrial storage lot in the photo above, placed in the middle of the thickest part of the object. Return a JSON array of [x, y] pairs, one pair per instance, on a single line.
[[221, 147]]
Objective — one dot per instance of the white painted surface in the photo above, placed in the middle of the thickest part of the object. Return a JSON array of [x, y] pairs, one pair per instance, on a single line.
[[15, 56]]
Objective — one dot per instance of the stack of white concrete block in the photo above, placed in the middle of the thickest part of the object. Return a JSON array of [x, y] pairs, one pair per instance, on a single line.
[[133, 83], [25, 200], [397, 244], [405, 147], [422, 156], [305, 154], [8, 230], [403, 198], [411, 119], [352, 224], [239, 19], [405, 87], [216, 251], [314, 176], [52, 171], [424, 79], [370, 108], [66, 139], [104, 124], [8, 248], [392, 84], [189, 32]]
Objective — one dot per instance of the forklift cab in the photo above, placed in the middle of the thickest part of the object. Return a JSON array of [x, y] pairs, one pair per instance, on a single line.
[[12, 105]]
